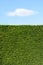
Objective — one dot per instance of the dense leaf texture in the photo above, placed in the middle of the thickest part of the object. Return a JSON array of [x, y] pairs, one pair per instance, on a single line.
[[21, 45]]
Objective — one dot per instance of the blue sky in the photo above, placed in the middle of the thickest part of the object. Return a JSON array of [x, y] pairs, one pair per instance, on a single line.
[[11, 5]]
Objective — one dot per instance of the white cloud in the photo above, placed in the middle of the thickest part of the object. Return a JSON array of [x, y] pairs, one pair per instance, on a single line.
[[21, 12]]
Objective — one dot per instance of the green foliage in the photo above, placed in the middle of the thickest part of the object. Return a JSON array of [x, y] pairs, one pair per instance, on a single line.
[[21, 45]]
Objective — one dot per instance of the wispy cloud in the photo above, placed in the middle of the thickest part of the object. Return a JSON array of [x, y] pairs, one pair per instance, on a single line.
[[21, 12]]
